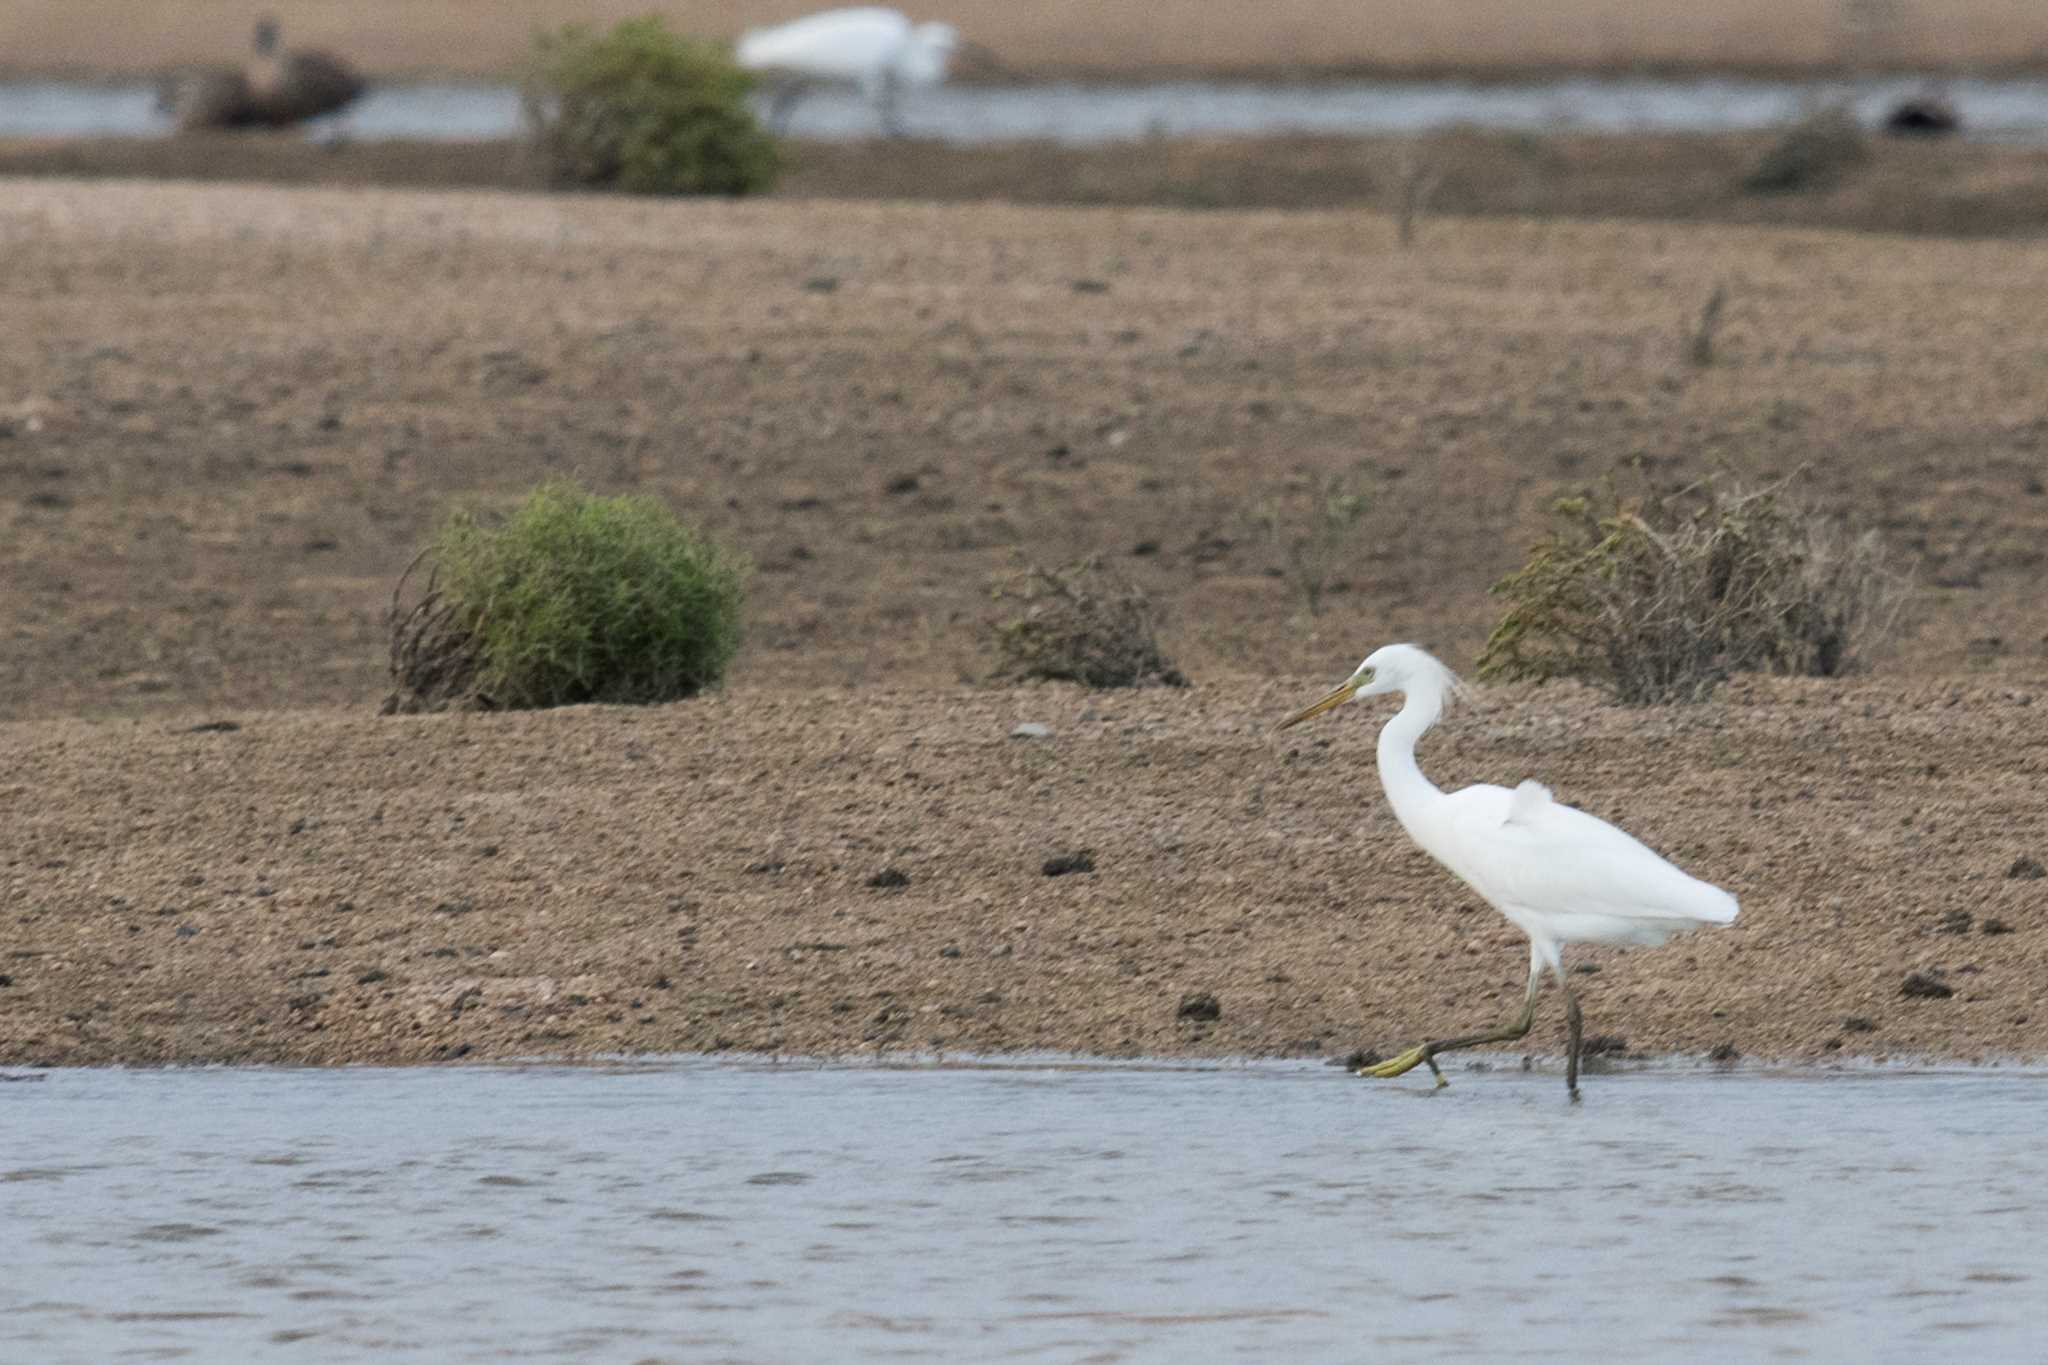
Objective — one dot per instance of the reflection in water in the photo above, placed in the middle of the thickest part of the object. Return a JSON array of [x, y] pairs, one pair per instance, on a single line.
[[2004, 110], [696, 1211]]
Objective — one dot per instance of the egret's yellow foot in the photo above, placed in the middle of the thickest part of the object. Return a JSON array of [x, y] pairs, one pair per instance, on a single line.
[[1396, 1066]]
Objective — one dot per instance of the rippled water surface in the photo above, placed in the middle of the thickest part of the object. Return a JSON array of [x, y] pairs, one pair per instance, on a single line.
[[698, 1212], [2006, 109]]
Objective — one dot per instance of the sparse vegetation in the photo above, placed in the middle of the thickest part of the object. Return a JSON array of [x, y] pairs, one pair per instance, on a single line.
[[1081, 624], [571, 598], [1699, 348], [644, 110], [1415, 180], [1814, 152], [1313, 529], [1660, 598]]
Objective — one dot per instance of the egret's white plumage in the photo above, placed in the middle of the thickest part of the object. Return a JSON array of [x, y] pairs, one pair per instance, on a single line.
[[875, 48], [1558, 874]]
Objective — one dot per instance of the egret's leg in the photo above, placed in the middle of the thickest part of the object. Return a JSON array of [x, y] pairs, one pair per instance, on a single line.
[[1577, 1029], [786, 94], [1426, 1054], [885, 106]]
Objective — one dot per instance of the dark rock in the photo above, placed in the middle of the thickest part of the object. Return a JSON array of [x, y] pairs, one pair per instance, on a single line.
[[2026, 870], [1926, 986], [1856, 1023], [889, 879], [371, 977], [1082, 861], [1955, 922], [1995, 926], [1922, 116], [219, 727], [1202, 1008], [1724, 1053]]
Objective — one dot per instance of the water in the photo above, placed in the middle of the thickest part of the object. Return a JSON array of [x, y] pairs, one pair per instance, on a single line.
[[717, 1212], [2004, 110]]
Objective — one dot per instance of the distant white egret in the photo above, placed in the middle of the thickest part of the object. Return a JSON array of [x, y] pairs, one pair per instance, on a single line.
[[875, 48], [1558, 874]]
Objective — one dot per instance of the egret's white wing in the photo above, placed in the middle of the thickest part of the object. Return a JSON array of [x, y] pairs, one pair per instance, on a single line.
[[1572, 876], [841, 44]]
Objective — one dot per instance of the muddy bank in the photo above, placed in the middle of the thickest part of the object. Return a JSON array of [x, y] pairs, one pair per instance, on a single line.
[[875, 870], [231, 415], [1942, 188]]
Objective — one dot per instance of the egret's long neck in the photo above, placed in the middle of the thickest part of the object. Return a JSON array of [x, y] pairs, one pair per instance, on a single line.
[[1410, 793]]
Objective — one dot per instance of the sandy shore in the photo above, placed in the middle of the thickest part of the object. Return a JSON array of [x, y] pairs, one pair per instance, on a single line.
[[1123, 40], [228, 414]]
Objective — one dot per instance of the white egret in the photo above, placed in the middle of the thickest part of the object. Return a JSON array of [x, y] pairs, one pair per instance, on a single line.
[[875, 48], [1558, 874]]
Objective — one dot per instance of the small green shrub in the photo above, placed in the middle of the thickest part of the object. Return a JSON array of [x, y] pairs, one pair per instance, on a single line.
[[1810, 154], [1313, 529], [571, 598], [1659, 599], [644, 110], [1081, 624]]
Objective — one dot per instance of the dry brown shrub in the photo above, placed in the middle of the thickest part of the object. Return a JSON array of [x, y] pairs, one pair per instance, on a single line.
[[434, 658], [1084, 624], [1813, 152], [1660, 598]]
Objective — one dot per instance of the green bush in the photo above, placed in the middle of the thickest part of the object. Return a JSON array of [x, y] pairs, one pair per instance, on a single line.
[[572, 598], [1659, 599], [644, 110]]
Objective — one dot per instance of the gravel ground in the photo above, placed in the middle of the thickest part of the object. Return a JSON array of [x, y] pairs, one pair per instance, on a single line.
[[828, 872]]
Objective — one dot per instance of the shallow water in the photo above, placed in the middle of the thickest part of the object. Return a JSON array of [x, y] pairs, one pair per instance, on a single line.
[[1048, 1212], [2007, 110]]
